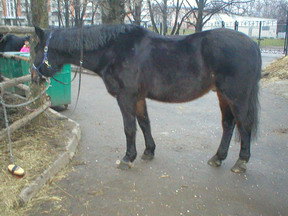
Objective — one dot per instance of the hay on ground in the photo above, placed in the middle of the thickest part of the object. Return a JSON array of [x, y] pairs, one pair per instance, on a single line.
[[277, 70], [35, 147]]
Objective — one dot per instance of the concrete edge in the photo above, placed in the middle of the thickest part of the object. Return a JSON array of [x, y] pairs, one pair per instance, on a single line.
[[63, 159]]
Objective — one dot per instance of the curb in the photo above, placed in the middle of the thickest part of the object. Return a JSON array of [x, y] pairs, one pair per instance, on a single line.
[[31, 190]]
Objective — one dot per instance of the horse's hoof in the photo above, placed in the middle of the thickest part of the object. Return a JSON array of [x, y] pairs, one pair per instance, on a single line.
[[123, 165], [147, 157], [240, 166], [215, 161]]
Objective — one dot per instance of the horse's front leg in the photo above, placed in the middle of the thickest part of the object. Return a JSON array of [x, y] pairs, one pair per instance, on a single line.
[[144, 123], [127, 105]]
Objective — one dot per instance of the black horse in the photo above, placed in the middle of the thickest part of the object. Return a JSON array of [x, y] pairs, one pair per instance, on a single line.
[[136, 64], [11, 42]]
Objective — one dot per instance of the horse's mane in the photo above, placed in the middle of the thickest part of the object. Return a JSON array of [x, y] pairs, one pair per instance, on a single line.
[[94, 37]]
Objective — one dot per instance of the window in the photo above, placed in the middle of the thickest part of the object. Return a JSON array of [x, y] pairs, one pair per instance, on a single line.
[[10, 8]]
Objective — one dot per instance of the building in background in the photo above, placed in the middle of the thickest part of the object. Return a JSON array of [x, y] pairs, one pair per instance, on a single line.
[[17, 15], [12, 12], [247, 25]]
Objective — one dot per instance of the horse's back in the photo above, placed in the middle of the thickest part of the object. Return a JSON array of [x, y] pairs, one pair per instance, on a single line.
[[228, 51], [233, 58]]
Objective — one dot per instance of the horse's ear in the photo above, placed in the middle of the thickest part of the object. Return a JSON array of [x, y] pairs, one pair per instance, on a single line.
[[39, 32], [27, 38]]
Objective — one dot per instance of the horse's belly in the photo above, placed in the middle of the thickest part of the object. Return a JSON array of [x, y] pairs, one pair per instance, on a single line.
[[180, 91]]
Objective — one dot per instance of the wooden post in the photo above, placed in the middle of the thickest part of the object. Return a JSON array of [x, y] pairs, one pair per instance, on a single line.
[[16, 30], [286, 37], [236, 25], [15, 81], [259, 36]]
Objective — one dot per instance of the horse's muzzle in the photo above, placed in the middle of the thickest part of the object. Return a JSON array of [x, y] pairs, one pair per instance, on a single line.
[[36, 77]]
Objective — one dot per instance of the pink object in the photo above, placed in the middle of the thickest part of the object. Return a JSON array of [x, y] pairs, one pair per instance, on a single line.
[[25, 49]]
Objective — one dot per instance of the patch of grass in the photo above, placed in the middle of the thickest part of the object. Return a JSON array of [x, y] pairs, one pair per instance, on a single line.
[[270, 42]]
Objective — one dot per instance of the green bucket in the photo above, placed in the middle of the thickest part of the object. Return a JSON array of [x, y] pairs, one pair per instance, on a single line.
[[60, 94]]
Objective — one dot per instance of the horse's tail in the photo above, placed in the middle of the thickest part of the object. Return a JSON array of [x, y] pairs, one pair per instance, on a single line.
[[252, 118]]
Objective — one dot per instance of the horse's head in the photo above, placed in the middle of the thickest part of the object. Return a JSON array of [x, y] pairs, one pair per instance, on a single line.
[[46, 62], [2, 42], [27, 38]]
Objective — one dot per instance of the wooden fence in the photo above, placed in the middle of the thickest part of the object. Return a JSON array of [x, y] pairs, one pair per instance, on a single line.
[[18, 82]]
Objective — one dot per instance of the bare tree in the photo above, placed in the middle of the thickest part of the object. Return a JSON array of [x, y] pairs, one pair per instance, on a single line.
[[112, 11], [67, 4], [135, 9], [79, 11], [177, 24], [151, 12], [59, 14], [205, 9], [176, 10], [63, 11], [159, 7], [94, 8], [74, 12]]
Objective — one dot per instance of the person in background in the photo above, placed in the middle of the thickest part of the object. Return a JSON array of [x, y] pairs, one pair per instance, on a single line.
[[26, 47]]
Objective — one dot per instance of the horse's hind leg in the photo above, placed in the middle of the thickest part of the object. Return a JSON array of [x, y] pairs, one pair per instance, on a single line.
[[244, 156], [144, 123], [127, 105], [228, 125]]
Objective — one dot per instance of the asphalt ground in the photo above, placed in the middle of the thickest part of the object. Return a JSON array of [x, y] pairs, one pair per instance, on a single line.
[[178, 181]]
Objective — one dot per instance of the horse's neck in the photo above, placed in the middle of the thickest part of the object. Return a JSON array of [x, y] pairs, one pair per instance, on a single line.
[[89, 61]]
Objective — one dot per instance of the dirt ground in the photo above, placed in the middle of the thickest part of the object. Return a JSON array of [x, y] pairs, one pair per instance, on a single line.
[[178, 181]]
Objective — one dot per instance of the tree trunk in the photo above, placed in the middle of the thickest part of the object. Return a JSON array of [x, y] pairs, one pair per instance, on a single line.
[[137, 12], [165, 17], [83, 12], [152, 17], [67, 15], [39, 10], [77, 21], [199, 18], [94, 10], [59, 13], [113, 11]]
